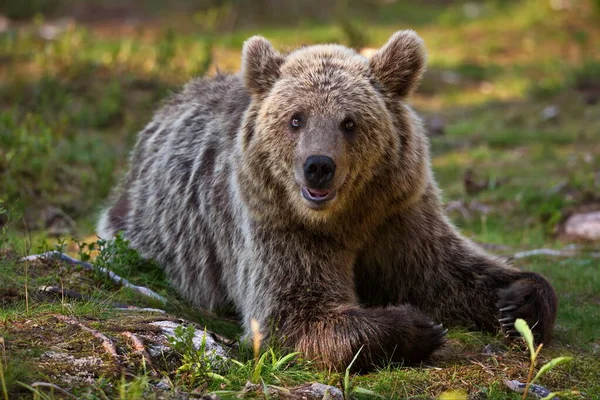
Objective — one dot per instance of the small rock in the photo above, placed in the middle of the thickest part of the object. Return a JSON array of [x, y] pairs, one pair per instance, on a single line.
[[314, 391], [162, 385], [584, 226], [211, 346], [550, 112], [158, 350], [76, 362]]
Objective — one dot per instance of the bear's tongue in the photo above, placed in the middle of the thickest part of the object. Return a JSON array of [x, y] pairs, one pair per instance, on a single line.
[[318, 193]]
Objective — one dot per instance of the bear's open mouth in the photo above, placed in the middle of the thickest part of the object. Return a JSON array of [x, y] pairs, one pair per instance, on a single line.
[[318, 196]]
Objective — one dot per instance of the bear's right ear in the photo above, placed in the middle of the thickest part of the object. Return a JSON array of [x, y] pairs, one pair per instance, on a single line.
[[260, 65], [400, 63]]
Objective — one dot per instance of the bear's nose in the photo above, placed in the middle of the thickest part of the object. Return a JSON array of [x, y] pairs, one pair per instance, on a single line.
[[319, 171]]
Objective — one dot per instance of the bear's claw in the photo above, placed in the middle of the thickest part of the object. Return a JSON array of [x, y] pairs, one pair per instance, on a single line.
[[532, 299]]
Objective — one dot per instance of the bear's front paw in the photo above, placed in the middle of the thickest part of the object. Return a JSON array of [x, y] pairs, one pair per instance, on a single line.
[[433, 337], [426, 335], [532, 299]]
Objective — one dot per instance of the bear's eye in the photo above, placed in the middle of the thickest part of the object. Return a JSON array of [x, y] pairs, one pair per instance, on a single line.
[[348, 125], [296, 122]]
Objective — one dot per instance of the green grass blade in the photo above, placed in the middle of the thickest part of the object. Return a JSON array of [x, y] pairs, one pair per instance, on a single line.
[[549, 365], [227, 393], [236, 362], [284, 360], [366, 392], [258, 367], [264, 385], [347, 374], [523, 328], [215, 376]]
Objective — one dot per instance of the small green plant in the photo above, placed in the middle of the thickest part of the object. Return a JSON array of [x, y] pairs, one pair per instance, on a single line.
[[525, 331], [133, 389], [268, 371], [117, 254], [198, 364], [114, 255], [271, 366], [350, 389]]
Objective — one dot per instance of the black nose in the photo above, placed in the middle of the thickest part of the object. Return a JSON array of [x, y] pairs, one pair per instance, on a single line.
[[319, 171]]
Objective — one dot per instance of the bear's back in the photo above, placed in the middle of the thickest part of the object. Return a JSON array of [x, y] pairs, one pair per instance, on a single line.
[[179, 192]]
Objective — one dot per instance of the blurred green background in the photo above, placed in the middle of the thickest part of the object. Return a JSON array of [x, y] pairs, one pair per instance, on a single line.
[[512, 91]]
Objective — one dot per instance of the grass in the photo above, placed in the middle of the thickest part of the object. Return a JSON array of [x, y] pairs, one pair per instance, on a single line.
[[70, 108]]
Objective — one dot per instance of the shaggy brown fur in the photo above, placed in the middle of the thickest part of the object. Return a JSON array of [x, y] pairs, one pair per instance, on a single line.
[[220, 193]]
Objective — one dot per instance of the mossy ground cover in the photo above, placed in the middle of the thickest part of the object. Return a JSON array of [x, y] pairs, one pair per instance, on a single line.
[[516, 86]]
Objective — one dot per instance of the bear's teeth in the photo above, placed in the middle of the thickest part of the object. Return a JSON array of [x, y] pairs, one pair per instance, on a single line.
[[318, 193]]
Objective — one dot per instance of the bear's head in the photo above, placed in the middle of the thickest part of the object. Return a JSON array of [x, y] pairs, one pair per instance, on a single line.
[[325, 123]]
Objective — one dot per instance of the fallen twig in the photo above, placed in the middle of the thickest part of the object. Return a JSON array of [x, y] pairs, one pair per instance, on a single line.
[[58, 291], [140, 309], [114, 277], [54, 387], [486, 369], [536, 390], [568, 251], [108, 345], [140, 349], [544, 252]]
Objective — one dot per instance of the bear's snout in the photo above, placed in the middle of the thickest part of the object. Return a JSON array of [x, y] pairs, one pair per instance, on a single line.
[[319, 171]]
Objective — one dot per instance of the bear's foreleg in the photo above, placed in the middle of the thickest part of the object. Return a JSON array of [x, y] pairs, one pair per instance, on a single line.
[[421, 259], [301, 293]]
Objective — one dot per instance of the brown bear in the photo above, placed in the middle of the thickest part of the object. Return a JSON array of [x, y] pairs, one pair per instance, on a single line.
[[300, 192]]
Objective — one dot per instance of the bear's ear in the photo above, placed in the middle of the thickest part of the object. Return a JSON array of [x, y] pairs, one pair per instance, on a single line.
[[400, 63], [260, 65]]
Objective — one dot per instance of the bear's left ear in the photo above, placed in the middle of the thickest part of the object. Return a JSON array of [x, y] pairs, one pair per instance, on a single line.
[[260, 65], [400, 63]]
